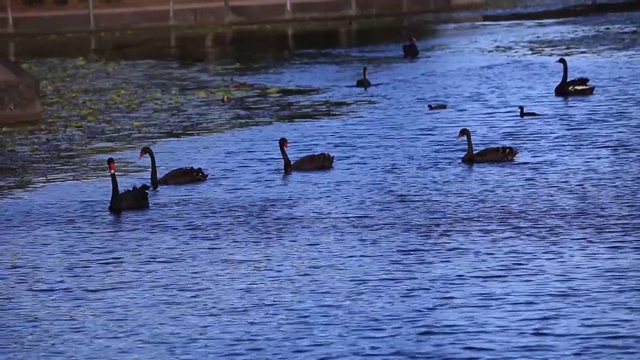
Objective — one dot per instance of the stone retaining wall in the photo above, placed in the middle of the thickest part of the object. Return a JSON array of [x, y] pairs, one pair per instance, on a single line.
[[215, 13]]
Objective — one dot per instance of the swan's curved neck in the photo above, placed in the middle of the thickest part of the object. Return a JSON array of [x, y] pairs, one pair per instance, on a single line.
[[285, 158], [114, 188], [364, 74], [469, 145], [154, 170], [565, 72]]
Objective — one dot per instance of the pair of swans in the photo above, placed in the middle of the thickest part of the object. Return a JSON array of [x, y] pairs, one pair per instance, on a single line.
[[138, 198], [324, 161], [409, 50]]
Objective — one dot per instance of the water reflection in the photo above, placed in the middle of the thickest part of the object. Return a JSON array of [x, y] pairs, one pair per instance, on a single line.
[[192, 44]]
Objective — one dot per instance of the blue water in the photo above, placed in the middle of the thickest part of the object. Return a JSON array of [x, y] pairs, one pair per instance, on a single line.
[[399, 252]]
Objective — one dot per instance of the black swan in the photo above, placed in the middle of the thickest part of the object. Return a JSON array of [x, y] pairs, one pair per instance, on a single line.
[[488, 155], [134, 199], [437, 106], [364, 82], [322, 161], [410, 50], [525, 114], [179, 176], [575, 87]]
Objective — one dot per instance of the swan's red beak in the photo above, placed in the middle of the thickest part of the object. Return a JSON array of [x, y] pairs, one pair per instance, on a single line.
[[286, 145], [112, 168], [459, 136], [142, 153]]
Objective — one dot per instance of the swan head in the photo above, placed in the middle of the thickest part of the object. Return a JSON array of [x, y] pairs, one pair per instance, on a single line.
[[464, 132], [412, 39], [562, 61], [112, 165], [144, 151], [521, 108], [365, 70], [284, 143]]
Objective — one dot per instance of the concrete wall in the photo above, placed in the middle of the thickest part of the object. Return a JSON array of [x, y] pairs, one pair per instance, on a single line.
[[215, 13]]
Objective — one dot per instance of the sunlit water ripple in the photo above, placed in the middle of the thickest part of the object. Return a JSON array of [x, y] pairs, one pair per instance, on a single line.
[[399, 252]]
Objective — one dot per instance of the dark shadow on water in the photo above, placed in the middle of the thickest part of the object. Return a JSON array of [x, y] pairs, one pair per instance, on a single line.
[[245, 46]]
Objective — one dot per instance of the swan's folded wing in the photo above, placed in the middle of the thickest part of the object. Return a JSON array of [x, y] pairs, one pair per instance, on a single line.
[[499, 153], [581, 81], [135, 198], [183, 175], [410, 50], [314, 162]]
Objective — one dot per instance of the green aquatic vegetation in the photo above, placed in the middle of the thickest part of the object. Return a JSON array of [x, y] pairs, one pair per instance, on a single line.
[[96, 103]]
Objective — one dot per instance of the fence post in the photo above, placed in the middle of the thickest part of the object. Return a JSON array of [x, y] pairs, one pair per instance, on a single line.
[[287, 12], [9, 16], [227, 10], [171, 21], [93, 24]]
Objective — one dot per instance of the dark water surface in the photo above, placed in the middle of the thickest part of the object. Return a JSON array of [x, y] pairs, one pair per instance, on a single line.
[[399, 252]]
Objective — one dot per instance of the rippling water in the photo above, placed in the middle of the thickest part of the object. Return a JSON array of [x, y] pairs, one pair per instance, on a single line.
[[399, 252]]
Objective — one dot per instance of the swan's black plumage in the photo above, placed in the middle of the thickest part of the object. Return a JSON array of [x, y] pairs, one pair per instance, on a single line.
[[134, 199], [410, 50], [179, 176], [576, 87], [488, 155], [363, 82], [321, 161]]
